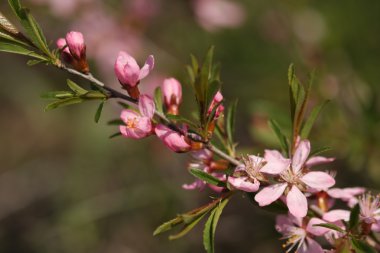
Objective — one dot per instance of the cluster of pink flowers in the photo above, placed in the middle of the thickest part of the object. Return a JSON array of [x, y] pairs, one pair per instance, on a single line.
[[307, 193]]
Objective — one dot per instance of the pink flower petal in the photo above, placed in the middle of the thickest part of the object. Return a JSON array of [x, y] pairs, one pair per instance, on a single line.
[[276, 163], [75, 42], [318, 180], [126, 69], [296, 202], [270, 194], [300, 155], [148, 66], [336, 215], [243, 184], [316, 230], [146, 106], [172, 139], [172, 91], [318, 160]]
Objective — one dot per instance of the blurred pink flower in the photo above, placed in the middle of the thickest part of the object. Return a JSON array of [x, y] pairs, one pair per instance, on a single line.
[[138, 125], [172, 139], [294, 179], [369, 208], [299, 235], [346, 194], [213, 15], [172, 91]]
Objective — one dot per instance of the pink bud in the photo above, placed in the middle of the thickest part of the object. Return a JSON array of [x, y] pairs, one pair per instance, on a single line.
[[66, 55], [76, 45], [217, 99], [172, 91], [173, 140], [128, 71]]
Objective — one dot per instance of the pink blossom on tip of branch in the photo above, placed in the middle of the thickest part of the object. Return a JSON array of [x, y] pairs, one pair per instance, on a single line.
[[128, 71], [173, 140], [138, 125], [75, 42]]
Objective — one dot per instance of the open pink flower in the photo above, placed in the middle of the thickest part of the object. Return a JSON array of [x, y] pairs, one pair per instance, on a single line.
[[348, 195], [138, 125], [172, 139], [369, 209], [246, 177], [293, 179], [129, 73], [74, 50], [172, 91], [300, 235]]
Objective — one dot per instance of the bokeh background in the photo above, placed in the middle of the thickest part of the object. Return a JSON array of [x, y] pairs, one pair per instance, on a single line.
[[66, 187]]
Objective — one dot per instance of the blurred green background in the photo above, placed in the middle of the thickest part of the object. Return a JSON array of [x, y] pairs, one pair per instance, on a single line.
[[66, 187]]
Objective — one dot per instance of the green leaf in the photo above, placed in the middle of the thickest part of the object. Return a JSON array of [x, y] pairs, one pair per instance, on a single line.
[[210, 226], [10, 47], [206, 177], [204, 80], [330, 226], [31, 27], [31, 63], [63, 102], [187, 228], [58, 94], [354, 217], [311, 120], [158, 99], [230, 121], [115, 135], [115, 122], [94, 95], [167, 226], [99, 111], [179, 118], [76, 88], [124, 105], [319, 151], [280, 136], [361, 246], [12, 39]]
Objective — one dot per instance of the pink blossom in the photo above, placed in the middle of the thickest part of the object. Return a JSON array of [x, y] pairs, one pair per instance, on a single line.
[[293, 178], [246, 177], [369, 208], [217, 99], [215, 14], [346, 194], [74, 51], [138, 125], [172, 91], [300, 235], [172, 139], [128, 71]]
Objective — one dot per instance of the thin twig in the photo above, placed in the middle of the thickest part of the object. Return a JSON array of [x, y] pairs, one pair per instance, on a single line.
[[171, 125]]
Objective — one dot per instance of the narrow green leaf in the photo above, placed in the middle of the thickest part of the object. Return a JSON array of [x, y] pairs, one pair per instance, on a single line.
[[230, 120], [124, 105], [31, 27], [115, 135], [9, 47], [319, 151], [76, 88], [115, 122], [210, 227], [167, 226], [63, 102], [58, 94], [158, 99], [361, 246], [330, 226], [99, 112], [206, 177], [194, 63], [305, 131], [280, 136], [180, 119], [354, 217], [13, 39], [187, 228], [204, 81]]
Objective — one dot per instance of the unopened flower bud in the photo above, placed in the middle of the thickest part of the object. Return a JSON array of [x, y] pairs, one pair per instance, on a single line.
[[129, 73], [74, 51], [217, 99], [173, 140], [172, 91]]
